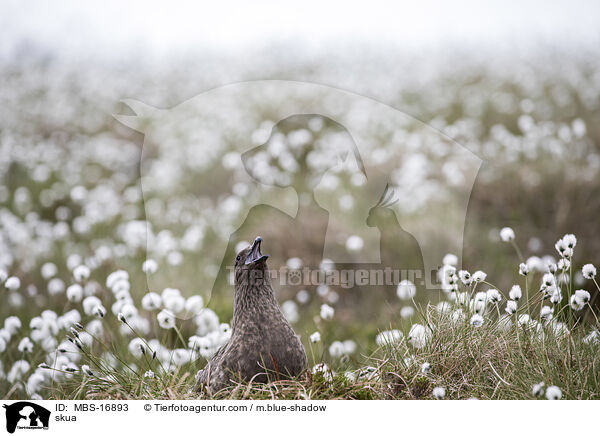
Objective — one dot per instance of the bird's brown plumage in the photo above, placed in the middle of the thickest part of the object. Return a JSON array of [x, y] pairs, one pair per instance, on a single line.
[[263, 345]]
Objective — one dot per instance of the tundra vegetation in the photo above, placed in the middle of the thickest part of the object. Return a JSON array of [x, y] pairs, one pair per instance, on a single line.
[[516, 316]]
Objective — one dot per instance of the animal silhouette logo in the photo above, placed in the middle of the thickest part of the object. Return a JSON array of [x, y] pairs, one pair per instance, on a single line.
[[410, 258], [297, 155], [244, 153], [26, 415]]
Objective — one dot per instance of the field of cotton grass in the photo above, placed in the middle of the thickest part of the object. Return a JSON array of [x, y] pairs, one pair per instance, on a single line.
[[541, 340], [517, 316]]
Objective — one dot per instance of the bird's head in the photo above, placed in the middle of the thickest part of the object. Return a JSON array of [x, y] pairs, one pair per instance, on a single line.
[[251, 264]]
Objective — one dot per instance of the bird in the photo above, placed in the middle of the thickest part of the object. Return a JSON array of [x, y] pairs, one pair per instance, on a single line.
[[263, 344]]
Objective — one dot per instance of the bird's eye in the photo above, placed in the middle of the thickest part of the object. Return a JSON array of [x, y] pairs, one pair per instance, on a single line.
[[238, 258]]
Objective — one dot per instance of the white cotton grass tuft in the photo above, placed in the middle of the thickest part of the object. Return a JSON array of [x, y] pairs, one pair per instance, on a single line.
[[100, 311], [447, 275], [48, 270], [582, 296], [548, 279], [294, 263], [389, 337], [515, 293], [194, 304], [523, 269], [592, 338], [326, 312], [151, 301], [137, 347], [90, 303], [289, 308], [303, 297], [493, 295], [149, 266], [507, 234], [315, 337], [332, 297], [476, 320], [174, 258], [181, 356], [439, 392], [81, 273], [324, 370], [575, 304], [511, 307], [523, 319], [86, 370], [479, 276], [327, 265], [116, 277], [34, 384], [465, 277], [563, 264], [174, 303], [566, 245], [560, 246], [419, 335], [556, 295], [17, 371], [450, 259], [406, 290], [479, 302], [443, 307], [336, 349], [166, 319], [56, 286], [426, 368], [74, 293], [553, 393], [354, 243], [546, 313], [570, 240], [407, 312], [206, 322], [12, 283], [589, 271], [349, 346], [322, 290], [25, 345], [12, 324], [538, 389]]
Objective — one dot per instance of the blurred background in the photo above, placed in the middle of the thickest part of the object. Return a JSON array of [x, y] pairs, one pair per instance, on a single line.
[[517, 85]]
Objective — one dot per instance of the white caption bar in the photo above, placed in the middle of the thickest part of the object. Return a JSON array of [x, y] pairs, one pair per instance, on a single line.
[[285, 417]]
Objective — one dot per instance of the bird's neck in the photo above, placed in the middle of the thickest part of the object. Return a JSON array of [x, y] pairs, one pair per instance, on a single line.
[[250, 299]]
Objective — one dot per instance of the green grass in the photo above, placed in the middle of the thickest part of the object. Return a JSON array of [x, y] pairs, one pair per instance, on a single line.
[[493, 361], [469, 362], [542, 189]]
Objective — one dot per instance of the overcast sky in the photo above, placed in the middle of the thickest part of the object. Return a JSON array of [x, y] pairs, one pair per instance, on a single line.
[[110, 26]]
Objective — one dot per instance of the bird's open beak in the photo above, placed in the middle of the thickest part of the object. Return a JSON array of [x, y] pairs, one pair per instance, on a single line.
[[255, 255]]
